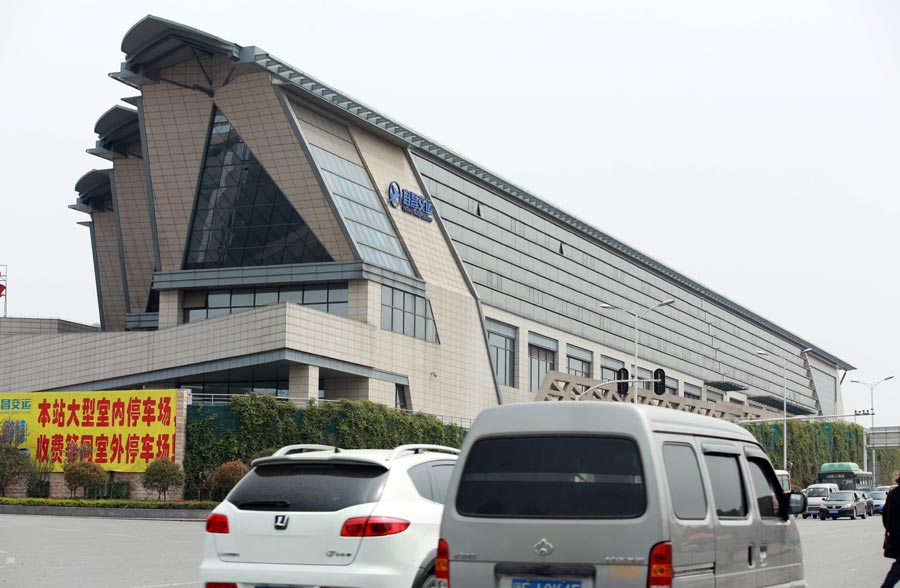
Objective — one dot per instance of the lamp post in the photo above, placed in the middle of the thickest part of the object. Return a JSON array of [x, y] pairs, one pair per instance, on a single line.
[[637, 317], [872, 408], [784, 460]]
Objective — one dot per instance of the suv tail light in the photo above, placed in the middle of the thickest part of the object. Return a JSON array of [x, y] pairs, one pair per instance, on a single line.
[[659, 575], [373, 526], [442, 565], [217, 523]]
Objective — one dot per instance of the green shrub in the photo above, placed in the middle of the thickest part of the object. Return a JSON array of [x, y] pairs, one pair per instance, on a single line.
[[162, 474], [226, 476], [84, 474]]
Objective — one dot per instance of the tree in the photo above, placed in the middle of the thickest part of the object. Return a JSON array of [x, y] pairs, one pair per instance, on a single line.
[[162, 474], [226, 476], [13, 461], [83, 474]]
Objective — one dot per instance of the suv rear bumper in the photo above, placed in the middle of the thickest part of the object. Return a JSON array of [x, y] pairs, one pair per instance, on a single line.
[[352, 576]]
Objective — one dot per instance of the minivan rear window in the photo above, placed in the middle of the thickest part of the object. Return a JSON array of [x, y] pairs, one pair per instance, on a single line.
[[552, 477], [308, 487]]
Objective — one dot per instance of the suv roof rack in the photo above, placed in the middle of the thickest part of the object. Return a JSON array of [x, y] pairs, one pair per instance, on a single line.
[[418, 448], [304, 447]]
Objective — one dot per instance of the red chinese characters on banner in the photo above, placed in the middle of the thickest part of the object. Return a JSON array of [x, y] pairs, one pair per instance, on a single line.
[[121, 430]]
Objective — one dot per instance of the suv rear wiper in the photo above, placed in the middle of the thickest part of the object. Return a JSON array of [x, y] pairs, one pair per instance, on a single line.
[[273, 503]]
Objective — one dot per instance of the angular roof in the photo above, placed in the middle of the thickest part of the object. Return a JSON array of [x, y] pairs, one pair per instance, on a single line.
[[154, 43]]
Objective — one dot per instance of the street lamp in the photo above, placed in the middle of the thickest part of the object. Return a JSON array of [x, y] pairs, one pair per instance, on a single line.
[[637, 318], [784, 401], [872, 407]]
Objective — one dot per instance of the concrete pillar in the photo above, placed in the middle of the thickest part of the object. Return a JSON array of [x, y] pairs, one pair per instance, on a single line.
[[303, 383]]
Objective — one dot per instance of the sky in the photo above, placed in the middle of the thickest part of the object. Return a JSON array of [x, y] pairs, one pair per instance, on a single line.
[[753, 147]]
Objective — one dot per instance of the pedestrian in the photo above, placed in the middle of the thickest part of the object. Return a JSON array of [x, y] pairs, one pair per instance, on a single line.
[[890, 518]]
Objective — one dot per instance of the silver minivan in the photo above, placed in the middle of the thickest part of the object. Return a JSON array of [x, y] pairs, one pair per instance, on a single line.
[[603, 494]]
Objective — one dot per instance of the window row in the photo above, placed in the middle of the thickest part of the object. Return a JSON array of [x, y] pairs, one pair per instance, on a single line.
[[542, 358], [202, 304], [407, 314]]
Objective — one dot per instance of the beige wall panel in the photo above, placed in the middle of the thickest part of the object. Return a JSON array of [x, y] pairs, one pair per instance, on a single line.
[[425, 242], [458, 390], [177, 122], [110, 270], [250, 103], [134, 219]]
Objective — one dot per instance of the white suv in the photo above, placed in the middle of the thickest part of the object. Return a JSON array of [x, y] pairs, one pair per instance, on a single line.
[[320, 516]]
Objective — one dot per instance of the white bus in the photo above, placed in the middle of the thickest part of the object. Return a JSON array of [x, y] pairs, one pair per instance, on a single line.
[[784, 477]]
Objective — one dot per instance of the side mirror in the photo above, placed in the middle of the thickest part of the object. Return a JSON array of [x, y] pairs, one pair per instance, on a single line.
[[794, 503]]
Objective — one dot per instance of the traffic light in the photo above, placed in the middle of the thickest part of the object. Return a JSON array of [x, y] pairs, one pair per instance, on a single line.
[[659, 386], [622, 386]]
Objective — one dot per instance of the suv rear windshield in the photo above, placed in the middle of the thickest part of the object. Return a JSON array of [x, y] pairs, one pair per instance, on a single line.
[[552, 477], [817, 492], [308, 487]]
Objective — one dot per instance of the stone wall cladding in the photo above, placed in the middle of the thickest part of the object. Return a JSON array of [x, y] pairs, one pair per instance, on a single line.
[[110, 271], [251, 106], [134, 219], [177, 122]]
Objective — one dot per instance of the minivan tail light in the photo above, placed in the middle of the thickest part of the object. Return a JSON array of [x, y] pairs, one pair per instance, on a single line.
[[373, 526], [442, 565], [660, 573], [217, 523], [220, 585]]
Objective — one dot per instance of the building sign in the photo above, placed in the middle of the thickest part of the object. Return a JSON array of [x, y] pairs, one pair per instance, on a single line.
[[121, 430], [409, 202]]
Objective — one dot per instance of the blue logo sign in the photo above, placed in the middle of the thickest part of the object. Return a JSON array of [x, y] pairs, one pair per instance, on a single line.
[[409, 202]]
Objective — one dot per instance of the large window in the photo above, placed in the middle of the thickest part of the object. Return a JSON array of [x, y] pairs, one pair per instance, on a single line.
[[241, 217], [609, 368], [692, 391], [552, 477], [502, 345], [685, 485], [671, 386], [765, 487], [202, 304], [407, 314], [645, 375], [727, 485], [579, 362], [541, 359]]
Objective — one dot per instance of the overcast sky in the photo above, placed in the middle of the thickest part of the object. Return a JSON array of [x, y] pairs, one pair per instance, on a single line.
[[752, 146]]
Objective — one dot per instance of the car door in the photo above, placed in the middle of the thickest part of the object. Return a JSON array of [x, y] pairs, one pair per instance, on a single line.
[[736, 531], [779, 553], [690, 514]]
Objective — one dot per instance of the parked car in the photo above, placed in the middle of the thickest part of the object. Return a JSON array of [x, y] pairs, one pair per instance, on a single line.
[[878, 498], [314, 515], [844, 503], [815, 494], [601, 494]]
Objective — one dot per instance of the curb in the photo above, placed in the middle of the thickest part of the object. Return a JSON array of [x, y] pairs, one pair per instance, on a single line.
[[115, 513]]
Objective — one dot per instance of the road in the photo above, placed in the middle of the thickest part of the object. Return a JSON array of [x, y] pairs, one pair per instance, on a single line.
[[72, 552]]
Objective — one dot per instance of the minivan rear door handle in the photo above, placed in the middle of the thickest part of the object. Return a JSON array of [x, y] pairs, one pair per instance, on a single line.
[[751, 561]]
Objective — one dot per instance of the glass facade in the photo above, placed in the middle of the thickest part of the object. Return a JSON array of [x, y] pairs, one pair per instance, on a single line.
[[609, 368], [335, 154], [511, 250], [203, 304], [241, 218], [407, 314]]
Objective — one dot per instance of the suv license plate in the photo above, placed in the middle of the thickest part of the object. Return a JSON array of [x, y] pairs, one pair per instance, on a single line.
[[543, 583]]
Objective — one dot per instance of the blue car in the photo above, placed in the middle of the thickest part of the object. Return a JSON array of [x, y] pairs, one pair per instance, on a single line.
[[878, 498]]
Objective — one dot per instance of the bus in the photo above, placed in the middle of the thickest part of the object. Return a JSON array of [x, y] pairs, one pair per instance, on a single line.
[[784, 478], [846, 474]]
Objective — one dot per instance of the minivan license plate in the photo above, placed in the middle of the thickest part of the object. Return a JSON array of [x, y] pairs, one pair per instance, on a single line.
[[543, 583]]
